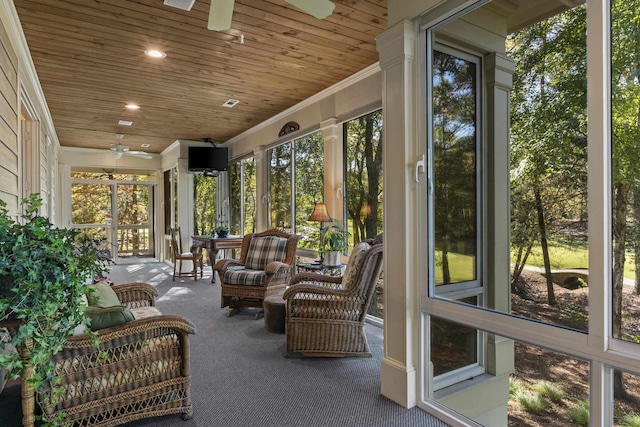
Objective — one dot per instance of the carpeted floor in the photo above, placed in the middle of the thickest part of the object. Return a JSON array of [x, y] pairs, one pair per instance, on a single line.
[[241, 377]]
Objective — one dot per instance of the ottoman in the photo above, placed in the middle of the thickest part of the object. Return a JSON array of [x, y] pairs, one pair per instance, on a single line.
[[274, 313]]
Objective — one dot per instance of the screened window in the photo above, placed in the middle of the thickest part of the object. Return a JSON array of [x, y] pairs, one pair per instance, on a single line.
[[242, 197], [205, 209], [296, 181], [363, 176]]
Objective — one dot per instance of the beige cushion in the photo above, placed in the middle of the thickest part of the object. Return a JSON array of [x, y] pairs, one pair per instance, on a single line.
[[144, 312], [355, 261]]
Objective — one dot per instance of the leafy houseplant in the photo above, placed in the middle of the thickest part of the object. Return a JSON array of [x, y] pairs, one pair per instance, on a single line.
[[222, 231], [333, 242], [44, 270]]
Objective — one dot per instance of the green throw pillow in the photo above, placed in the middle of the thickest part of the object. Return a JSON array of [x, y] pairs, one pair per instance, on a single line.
[[103, 296], [105, 317], [105, 309]]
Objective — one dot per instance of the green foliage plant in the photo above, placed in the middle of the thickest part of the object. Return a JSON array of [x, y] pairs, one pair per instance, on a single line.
[[334, 239], [550, 391], [630, 420], [221, 228], [533, 403], [580, 414], [47, 269]]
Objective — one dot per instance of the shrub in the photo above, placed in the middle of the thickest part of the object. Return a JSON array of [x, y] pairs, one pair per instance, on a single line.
[[580, 414], [532, 403], [630, 420], [550, 391]]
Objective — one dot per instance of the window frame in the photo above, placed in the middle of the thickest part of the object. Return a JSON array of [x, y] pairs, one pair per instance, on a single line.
[[597, 345], [475, 287]]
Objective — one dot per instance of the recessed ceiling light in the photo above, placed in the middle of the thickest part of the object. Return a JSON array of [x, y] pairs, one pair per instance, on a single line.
[[132, 106], [125, 123], [145, 145], [230, 103], [155, 53]]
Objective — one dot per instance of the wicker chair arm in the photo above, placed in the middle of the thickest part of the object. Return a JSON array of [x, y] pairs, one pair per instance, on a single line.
[[312, 288], [136, 294], [225, 263], [173, 322], [275, 266], [330, 281]]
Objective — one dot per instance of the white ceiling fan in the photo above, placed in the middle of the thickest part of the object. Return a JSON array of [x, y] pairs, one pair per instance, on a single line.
[[221, 11], [120, 149]]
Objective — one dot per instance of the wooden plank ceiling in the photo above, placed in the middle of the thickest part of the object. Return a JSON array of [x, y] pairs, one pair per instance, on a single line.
[[89, 56]]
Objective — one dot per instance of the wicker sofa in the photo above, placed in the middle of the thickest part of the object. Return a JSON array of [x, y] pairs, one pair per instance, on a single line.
[[325, 315], [140, 369]]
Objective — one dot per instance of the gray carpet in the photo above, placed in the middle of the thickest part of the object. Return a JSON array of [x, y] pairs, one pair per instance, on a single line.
[[241, 377]]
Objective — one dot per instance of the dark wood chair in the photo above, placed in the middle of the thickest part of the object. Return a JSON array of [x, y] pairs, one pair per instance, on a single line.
[[264, 268], [179, 256]]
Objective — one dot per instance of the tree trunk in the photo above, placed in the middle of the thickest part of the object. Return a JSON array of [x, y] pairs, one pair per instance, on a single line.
[[635, 236], [621, 200], [521, 261], [545, 246]]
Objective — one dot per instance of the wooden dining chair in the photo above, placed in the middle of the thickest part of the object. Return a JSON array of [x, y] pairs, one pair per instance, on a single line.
[[179, 256]]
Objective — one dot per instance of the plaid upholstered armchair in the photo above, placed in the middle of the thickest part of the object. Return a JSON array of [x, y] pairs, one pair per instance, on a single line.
[[264, 269], [326, 315]]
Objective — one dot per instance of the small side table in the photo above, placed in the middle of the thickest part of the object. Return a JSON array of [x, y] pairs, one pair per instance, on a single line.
[[328, 270], [274, 313]]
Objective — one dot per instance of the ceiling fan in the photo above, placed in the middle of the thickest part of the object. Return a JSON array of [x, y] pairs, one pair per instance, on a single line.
[[221, 11], [120, 149]]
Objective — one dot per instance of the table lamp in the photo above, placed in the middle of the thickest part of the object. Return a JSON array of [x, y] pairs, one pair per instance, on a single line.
[[320, 214]]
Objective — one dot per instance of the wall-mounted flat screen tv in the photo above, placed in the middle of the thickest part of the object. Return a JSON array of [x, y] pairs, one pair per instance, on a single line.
[[202, 159]]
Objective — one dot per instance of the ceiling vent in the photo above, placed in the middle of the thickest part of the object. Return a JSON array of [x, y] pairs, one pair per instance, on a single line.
[[180, 4], [230, 103]]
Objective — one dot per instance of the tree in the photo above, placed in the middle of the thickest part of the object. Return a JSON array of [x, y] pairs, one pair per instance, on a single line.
[[548, 127], [205, 212], [363, 137]]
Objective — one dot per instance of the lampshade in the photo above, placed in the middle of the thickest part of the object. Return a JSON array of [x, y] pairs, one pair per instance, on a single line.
[[320, 213]]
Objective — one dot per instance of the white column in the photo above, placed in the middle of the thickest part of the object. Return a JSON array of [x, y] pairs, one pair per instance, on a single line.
[[401, 320], [262, 189]]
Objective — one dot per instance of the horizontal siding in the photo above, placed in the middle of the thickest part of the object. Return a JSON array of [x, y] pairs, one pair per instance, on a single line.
[[9, 161]]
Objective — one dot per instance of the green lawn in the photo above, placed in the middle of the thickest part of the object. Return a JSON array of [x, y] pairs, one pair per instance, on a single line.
[[564, 253], [571, 253]]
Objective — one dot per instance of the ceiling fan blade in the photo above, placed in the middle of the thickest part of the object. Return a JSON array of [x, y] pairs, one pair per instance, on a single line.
[[220, 14], [140, 154], [317, 8]]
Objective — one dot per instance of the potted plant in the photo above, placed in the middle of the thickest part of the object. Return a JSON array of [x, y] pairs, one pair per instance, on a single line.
[[44, 272], [222, 231], [333, 242]]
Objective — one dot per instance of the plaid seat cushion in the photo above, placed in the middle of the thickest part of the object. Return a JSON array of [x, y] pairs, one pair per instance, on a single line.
[[243, 276], [264, 250]]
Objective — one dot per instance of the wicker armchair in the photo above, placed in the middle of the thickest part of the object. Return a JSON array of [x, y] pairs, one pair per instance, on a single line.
[[325, 315], [264, 269], [139, 370]]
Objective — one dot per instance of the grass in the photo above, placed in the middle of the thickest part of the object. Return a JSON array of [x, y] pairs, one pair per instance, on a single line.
[[515, 386], [533, 403], [580, 414], [550, 391], [571, 253], [630, 420]]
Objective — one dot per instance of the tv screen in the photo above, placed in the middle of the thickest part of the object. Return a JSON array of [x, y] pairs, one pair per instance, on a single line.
[[208, 159]]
